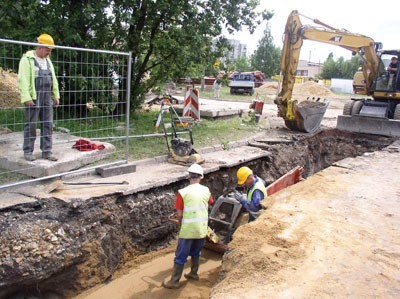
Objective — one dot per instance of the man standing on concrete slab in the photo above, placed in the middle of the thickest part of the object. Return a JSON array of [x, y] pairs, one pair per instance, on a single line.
[[192, 211], [39, 93], [256, 191]]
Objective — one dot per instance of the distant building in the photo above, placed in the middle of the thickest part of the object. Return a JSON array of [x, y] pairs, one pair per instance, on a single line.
[[239, 50], [308, 69]]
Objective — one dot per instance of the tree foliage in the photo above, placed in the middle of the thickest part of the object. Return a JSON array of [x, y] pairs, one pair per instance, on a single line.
[[266, 57], [167, 38], [240, 64], [340, 68]]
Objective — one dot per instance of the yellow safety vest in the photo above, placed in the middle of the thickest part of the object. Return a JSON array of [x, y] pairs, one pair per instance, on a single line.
[[258, 185], [195, 211]]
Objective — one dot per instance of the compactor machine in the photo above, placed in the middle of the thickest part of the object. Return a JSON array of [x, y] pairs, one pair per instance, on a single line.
[[376, 113]]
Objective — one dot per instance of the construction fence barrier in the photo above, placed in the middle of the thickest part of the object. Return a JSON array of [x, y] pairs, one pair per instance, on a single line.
[[91, 124]]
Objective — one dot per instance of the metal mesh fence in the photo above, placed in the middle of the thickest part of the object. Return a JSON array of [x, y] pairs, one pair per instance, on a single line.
[[89, 127]]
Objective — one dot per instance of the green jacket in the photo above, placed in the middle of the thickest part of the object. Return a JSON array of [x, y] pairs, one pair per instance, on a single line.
[[26, 78]]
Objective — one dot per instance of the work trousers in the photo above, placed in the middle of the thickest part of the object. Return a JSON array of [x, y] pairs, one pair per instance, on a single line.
[[188, 247], [43, 110]]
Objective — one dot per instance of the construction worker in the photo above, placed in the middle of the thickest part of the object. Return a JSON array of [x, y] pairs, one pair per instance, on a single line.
[[192, 212], [39, 93], [255, 191]]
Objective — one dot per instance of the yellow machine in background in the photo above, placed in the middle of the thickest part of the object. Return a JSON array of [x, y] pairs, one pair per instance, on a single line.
[[378, 114]]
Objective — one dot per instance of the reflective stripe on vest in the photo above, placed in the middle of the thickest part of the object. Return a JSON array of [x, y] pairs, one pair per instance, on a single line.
[[195, 211]]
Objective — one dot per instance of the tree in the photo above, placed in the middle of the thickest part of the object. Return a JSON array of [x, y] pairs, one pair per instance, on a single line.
[[170, 37], [266, 57], [240, 64], [340, 68], [166, 37]]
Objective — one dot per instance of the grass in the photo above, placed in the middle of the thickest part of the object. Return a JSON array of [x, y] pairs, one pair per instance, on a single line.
[[205, 133]]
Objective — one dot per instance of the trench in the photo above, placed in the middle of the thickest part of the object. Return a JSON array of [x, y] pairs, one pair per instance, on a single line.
[[54, 249]]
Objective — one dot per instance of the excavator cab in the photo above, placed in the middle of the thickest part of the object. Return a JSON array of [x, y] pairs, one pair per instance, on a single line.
[[386, 80], [380, 113]]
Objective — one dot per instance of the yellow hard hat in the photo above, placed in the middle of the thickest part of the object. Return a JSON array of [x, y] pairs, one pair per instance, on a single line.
[[242, 174], [46, 39]]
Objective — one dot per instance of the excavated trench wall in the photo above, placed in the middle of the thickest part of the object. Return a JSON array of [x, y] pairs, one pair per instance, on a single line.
[[57, 248]]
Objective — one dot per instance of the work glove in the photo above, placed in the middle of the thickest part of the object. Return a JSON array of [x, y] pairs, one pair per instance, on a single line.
[[238, 196]]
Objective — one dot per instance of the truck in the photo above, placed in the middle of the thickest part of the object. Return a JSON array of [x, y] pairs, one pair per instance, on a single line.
[[376, 113], [242, 83]]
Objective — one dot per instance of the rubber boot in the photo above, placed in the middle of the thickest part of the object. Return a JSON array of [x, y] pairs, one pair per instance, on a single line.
[[194, 267], [173, 283]]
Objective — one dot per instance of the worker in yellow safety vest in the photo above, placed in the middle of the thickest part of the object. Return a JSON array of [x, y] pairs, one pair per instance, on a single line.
[[256, 191], [192, 212]]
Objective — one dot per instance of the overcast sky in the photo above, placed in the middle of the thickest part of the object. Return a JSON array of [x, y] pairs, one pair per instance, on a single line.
[[378, 20]]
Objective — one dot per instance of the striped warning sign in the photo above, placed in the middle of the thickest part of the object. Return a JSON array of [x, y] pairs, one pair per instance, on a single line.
[[191, 106]]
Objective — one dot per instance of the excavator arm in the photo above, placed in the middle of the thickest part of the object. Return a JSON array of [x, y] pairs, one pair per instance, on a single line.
[[308, 116]]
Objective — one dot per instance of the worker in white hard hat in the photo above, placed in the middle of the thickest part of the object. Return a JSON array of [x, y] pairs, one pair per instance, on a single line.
[[38, 85], [256, 191], [192, 204]]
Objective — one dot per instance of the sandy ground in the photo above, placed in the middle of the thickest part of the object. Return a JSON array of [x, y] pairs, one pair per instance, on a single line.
[[335, 235], [144, 280]]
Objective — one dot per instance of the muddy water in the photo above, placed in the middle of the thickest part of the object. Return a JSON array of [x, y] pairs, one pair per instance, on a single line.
[[144, 281]]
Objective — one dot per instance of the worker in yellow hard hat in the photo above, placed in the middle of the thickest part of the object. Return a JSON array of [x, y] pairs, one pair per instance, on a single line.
[[38, 85], [192, 211], [256, 191]]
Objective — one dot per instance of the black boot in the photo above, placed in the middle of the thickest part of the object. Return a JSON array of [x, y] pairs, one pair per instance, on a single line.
[[176, 275], [194, 267]]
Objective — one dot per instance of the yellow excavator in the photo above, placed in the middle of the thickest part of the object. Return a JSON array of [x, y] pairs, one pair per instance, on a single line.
[[378, 113]]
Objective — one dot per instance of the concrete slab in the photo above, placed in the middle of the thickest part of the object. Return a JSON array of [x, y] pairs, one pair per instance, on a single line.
[[106, 172], [150, 175], [209, 113], [236, 156], [11, 155], [214, 109], [10, 199]]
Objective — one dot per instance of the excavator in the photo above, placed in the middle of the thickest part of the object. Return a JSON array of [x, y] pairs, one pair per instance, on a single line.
[[377, 113]]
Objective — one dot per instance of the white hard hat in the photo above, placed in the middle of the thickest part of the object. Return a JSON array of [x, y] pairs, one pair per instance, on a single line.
[[196, 168]]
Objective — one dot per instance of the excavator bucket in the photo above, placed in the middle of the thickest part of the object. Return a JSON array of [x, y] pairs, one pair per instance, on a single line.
[[307, 116], [369, 125]]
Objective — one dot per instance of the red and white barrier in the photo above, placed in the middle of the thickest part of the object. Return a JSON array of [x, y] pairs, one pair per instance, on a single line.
[[194, 94], [187, 103], [191, 106]]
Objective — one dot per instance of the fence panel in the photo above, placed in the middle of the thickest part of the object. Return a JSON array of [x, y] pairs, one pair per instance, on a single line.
[[90, 126]]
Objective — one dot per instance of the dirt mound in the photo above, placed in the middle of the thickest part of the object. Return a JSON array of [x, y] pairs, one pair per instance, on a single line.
[[269, 87], [313, 89], [9, 93], [309, 88]]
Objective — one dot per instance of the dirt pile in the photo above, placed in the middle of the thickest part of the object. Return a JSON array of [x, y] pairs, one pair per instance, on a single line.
[[313, 89], [309, 88], [9, 93], [322, 238]]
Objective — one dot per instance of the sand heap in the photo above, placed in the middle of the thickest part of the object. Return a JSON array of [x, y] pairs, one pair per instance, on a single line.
[[309, 88], [9, 93]]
